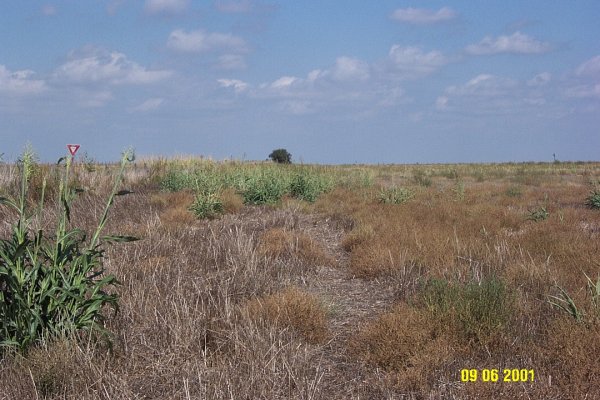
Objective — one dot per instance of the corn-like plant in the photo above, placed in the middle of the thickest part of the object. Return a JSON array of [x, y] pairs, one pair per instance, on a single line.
[[54, 284], [207, 205], [308, 186], [566, 303]]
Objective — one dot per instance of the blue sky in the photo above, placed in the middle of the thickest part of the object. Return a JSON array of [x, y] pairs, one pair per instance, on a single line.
[[331, 81]]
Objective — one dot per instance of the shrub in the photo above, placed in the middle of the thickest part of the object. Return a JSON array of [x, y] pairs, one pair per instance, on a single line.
[[176, 180], [421, 178], [265, 187], [514, 191], [538, 215], [53, 285], [395, 195], [281, 156], [593, 200], [308, 186], [207, 205]]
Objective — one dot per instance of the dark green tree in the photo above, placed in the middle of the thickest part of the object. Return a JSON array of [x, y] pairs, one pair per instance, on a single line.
[[281, 156]]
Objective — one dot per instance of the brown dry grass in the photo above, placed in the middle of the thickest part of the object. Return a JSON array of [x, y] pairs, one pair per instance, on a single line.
[[231, 308], [292, 308], [281, 243]]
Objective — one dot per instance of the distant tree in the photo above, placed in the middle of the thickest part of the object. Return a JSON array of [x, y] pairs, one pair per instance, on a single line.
[[281, 156]]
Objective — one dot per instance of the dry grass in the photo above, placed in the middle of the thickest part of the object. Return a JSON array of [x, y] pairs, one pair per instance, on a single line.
[[408, 344], [292, 308], [280, 243], [233, 307]]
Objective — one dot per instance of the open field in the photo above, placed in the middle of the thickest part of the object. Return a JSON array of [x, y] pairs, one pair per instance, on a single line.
[[265, 281]]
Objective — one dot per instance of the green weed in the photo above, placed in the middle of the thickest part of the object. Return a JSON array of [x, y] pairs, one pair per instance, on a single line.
[[52, 285], [479, 309], [395, 195]]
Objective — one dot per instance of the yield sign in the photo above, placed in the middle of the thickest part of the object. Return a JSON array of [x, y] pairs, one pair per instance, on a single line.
[[73, 148]]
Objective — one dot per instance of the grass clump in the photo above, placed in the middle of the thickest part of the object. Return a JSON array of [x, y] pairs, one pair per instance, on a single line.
[[308, 186], [53, 285], [421, 178], [207, 205], [478, 309], [539, 214], [295, 309], [593, 200], [395, 195]]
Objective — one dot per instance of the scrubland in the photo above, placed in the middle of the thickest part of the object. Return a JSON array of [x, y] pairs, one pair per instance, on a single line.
[[264, 281]]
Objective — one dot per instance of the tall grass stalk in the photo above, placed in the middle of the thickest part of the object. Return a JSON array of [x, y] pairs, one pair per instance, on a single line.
[[53, 285]]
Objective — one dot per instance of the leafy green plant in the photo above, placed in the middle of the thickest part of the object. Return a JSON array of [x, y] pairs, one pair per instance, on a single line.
[[538, 215], [265, 187], [207, 205], [52, 285], [395, 195], [308, 186], [566, 303], [459, 190], [593, 200], [514, 191]]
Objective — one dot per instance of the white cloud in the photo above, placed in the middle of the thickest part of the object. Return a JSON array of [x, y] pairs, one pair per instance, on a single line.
[[201, 41], [284, 82], [589, 68], [540, 79], [232, 61], [148, 105], [49, 10], [230, 6], [421, 16], [95, 99], [348, 69], [96, 65], [441, 103], [237, 85], [413, 62], [20, 82], [496, 95], [517, 43], [584, 91], [586, 80], [165, 6], [484, 85]]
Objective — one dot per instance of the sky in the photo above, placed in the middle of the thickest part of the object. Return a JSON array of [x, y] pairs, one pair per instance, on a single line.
[[330, 81]]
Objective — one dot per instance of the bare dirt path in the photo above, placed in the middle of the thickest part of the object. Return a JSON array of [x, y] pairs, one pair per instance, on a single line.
[[352, 302]]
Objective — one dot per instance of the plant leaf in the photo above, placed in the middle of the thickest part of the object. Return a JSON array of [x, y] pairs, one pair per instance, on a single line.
[[119, 238]]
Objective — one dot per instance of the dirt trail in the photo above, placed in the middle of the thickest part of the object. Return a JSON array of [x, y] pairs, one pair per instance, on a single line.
[[352, 303]]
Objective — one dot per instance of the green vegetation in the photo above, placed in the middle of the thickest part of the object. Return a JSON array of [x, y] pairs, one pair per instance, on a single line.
[[539, 214], [593, 200], [395, 195], [281, 156], [479, 308], [52, 285]]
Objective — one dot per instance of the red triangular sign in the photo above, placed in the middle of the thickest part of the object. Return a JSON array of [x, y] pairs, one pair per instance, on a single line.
[[73, 148]]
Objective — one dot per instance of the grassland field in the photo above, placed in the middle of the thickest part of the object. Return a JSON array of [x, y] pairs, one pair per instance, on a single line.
[[266, 281]]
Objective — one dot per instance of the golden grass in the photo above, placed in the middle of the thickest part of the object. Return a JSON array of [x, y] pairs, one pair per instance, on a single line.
[[292, 308], [282, 243]]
